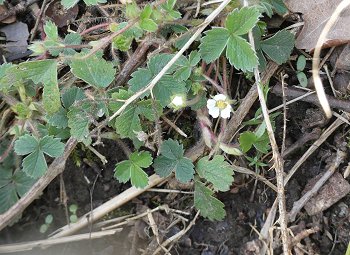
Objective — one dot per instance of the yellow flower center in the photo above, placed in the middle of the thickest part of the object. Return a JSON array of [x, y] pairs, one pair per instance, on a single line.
[[221, 104]]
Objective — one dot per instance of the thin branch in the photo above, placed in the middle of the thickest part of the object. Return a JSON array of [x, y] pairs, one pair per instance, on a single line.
[[278, 163]]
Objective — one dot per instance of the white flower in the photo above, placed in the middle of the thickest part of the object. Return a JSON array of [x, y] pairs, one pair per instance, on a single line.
[[178, 101], [219, 106]]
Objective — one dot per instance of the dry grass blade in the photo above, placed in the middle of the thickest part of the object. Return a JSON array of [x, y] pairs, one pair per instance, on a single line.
[[316, 59]]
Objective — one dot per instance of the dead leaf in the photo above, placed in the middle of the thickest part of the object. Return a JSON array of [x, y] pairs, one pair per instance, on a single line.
[[61, 16], [335, 189], [316, 13]]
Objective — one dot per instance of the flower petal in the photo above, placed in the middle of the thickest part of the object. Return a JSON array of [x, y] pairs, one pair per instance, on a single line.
[[214, 112], [225, 113], [211, 103], [220, 97]]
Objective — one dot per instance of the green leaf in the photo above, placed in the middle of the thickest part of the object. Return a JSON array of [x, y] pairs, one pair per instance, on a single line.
[[26, 144], [128, 123], [51, 97], [301, 63], [51, 146], [209, 206], [213, 44], [172, 159], [67, 4], [240, 54], [217, 171], [51, 31], [93, 70], [148, 25], [132, 169], [302, 79], [40, 71], [246, 140], [172, 149], [22, 182], [34, 165], [166, 87], [239, 22], [94, 2], [8, 197], [78, 121], [279, 47], [146, 12], [71, 95]]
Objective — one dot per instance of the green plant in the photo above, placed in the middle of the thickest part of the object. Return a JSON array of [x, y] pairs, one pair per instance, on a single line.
[[44, 227], [89, 105], [301, 63], [73, 208]]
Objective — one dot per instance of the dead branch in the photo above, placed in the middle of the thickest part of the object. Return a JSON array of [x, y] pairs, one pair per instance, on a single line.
[[334, 102], [298, 205]]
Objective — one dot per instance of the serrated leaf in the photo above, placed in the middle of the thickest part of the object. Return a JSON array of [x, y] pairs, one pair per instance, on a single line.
[[51, 146], [167, 87], [34, 165], [51, 31], [239, 22], [51, 97], [72, 95], [148, 25], [22, 182], [26, 144], [140, 79], [209, 206], [279, 47], [217, 171], [172, 159], [142, 159], [132, 169], [79, 122], [58, 119], [40, 71], [128, 123], [172, 149], [213, 44], [118, 99], [241, 54], [93, 70]]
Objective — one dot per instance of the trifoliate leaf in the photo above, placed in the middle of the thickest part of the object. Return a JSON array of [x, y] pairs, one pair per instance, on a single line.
[[209, 206], [34, 165], [172, 159], [217, 171], [172, 149], [241, 54], [166, 87], [132, 169], [51, 31], [279, 47], [213, 44], [239, 22], [93, 70]]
